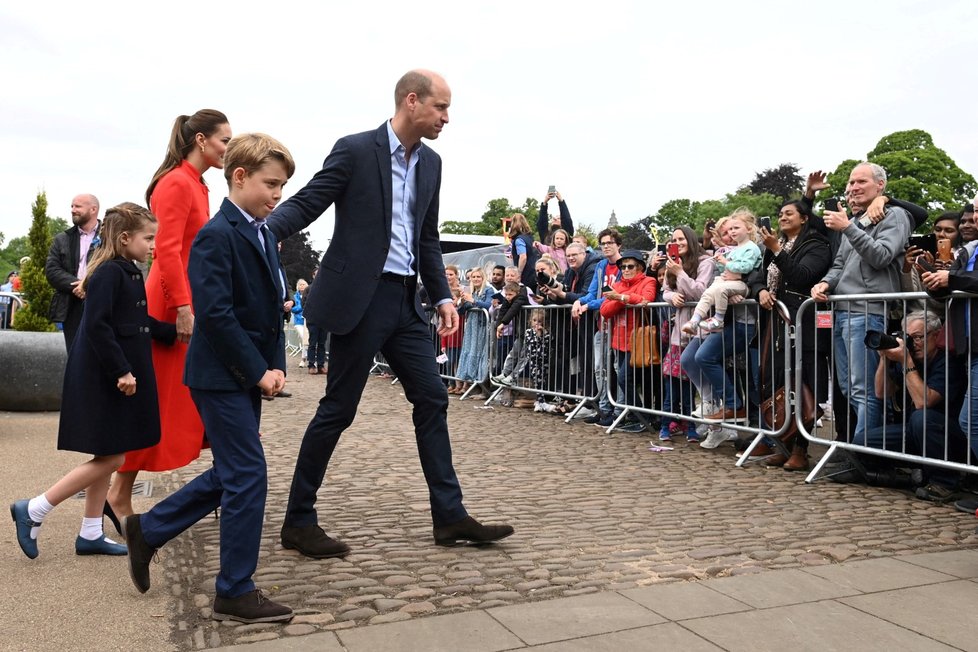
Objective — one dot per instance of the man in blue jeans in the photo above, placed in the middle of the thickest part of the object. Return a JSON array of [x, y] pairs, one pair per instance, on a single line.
[[869, 261], [605, 274]]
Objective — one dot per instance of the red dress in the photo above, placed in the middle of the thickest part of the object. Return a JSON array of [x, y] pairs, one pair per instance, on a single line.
[[180, 203]]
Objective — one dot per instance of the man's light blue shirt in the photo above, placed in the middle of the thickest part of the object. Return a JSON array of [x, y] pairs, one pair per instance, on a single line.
[[400, 257]]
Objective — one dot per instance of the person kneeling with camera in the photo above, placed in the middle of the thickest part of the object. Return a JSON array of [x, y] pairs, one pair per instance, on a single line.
[[933, 386]]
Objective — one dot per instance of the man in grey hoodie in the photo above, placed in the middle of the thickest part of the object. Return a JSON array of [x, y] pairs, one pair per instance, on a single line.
[[868, 262]]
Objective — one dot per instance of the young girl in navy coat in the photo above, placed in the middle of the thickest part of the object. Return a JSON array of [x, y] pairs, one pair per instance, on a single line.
[[109, 404]]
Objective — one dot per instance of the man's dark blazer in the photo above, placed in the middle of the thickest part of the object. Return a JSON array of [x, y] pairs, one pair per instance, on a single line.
[[61, 268], [357, 178], [237, 298]]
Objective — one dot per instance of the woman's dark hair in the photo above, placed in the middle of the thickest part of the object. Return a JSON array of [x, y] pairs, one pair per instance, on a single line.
[[691, 259], [952, 216], [185, 128], [812, 221]]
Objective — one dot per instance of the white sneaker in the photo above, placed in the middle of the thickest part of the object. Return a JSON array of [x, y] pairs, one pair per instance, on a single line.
[[302, 364], [543, 406], [502, 380], [585, 413], [714, 438], [698, 412]]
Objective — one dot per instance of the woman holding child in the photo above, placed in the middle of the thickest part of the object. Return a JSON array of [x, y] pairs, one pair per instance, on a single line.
[[177, 196], [725, 338]]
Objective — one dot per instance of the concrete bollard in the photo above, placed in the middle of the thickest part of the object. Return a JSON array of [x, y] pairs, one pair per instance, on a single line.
[[32, 369]]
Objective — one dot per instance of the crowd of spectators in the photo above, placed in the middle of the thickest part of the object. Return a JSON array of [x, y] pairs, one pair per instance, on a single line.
[[693, 332]]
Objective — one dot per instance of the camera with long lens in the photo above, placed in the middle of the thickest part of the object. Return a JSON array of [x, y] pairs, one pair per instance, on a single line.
[[880, 341], [546, 280]]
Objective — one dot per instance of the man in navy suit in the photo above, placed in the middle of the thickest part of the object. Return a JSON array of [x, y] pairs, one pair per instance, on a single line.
[[385, 185], [236, 355]]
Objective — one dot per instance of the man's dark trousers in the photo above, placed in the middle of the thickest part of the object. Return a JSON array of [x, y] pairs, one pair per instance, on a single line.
[[392, 326]]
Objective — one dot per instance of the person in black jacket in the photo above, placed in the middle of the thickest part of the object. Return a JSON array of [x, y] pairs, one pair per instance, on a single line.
[[66, 266], [546, 227], [577, 280], [795, 260]]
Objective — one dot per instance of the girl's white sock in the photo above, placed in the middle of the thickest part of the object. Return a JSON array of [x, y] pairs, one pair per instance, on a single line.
[[91, 528], [37, 509]]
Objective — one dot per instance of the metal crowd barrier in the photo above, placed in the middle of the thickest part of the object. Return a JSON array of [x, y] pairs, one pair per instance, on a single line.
[[471, 343], [10, 303], [549, 355], [637, 391], [941, 443], [293, 341]]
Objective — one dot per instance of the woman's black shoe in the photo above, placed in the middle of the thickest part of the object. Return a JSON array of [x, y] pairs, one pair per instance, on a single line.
[[108, 511]]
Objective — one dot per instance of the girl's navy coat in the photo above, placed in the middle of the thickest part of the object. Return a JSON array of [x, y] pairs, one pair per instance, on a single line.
[[114, 339]]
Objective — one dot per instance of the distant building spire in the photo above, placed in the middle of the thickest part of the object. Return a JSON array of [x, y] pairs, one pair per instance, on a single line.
[[613, 222]]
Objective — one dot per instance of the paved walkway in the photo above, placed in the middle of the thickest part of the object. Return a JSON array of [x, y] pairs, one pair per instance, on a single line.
[[608, 535]]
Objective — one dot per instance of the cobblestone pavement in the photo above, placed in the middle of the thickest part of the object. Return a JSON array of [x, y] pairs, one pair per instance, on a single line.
[[591, 511]]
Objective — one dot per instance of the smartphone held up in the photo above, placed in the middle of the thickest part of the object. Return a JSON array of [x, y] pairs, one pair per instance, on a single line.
[[672, 250]]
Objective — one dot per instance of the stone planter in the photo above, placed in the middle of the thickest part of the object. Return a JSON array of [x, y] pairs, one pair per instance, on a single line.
[[32, 369]]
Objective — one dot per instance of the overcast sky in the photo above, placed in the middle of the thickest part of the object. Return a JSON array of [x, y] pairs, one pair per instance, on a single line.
[[622, 105]]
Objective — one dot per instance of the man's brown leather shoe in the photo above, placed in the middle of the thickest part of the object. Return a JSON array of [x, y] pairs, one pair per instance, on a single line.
[[469, 529], [311, 541], [776, 460]]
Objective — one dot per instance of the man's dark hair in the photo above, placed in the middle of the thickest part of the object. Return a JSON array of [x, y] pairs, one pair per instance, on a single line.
[[613, 233]]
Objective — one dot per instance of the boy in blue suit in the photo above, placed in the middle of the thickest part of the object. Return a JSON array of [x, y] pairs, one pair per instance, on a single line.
[[236, 355]]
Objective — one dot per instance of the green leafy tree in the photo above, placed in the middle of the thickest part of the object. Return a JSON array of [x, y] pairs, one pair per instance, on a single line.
[[491, 222], [783, 182], [838, 179], [19, 247], [695, 214], [298, 258], [917, 171], [636, 235], [36, 289], [588, 232]]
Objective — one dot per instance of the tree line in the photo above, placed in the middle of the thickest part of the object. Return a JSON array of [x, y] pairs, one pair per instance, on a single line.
[[918, 171]]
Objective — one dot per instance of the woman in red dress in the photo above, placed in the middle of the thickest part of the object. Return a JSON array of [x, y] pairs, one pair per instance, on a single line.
[[177, 196]]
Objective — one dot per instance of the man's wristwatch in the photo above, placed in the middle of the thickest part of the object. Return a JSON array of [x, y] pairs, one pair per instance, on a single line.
[[907, 370]]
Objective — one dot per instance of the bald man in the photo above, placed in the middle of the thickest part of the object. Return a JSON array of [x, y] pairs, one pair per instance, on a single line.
[[67, 264]]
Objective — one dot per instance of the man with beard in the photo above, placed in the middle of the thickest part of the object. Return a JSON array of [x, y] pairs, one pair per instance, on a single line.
[[67, 264]]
